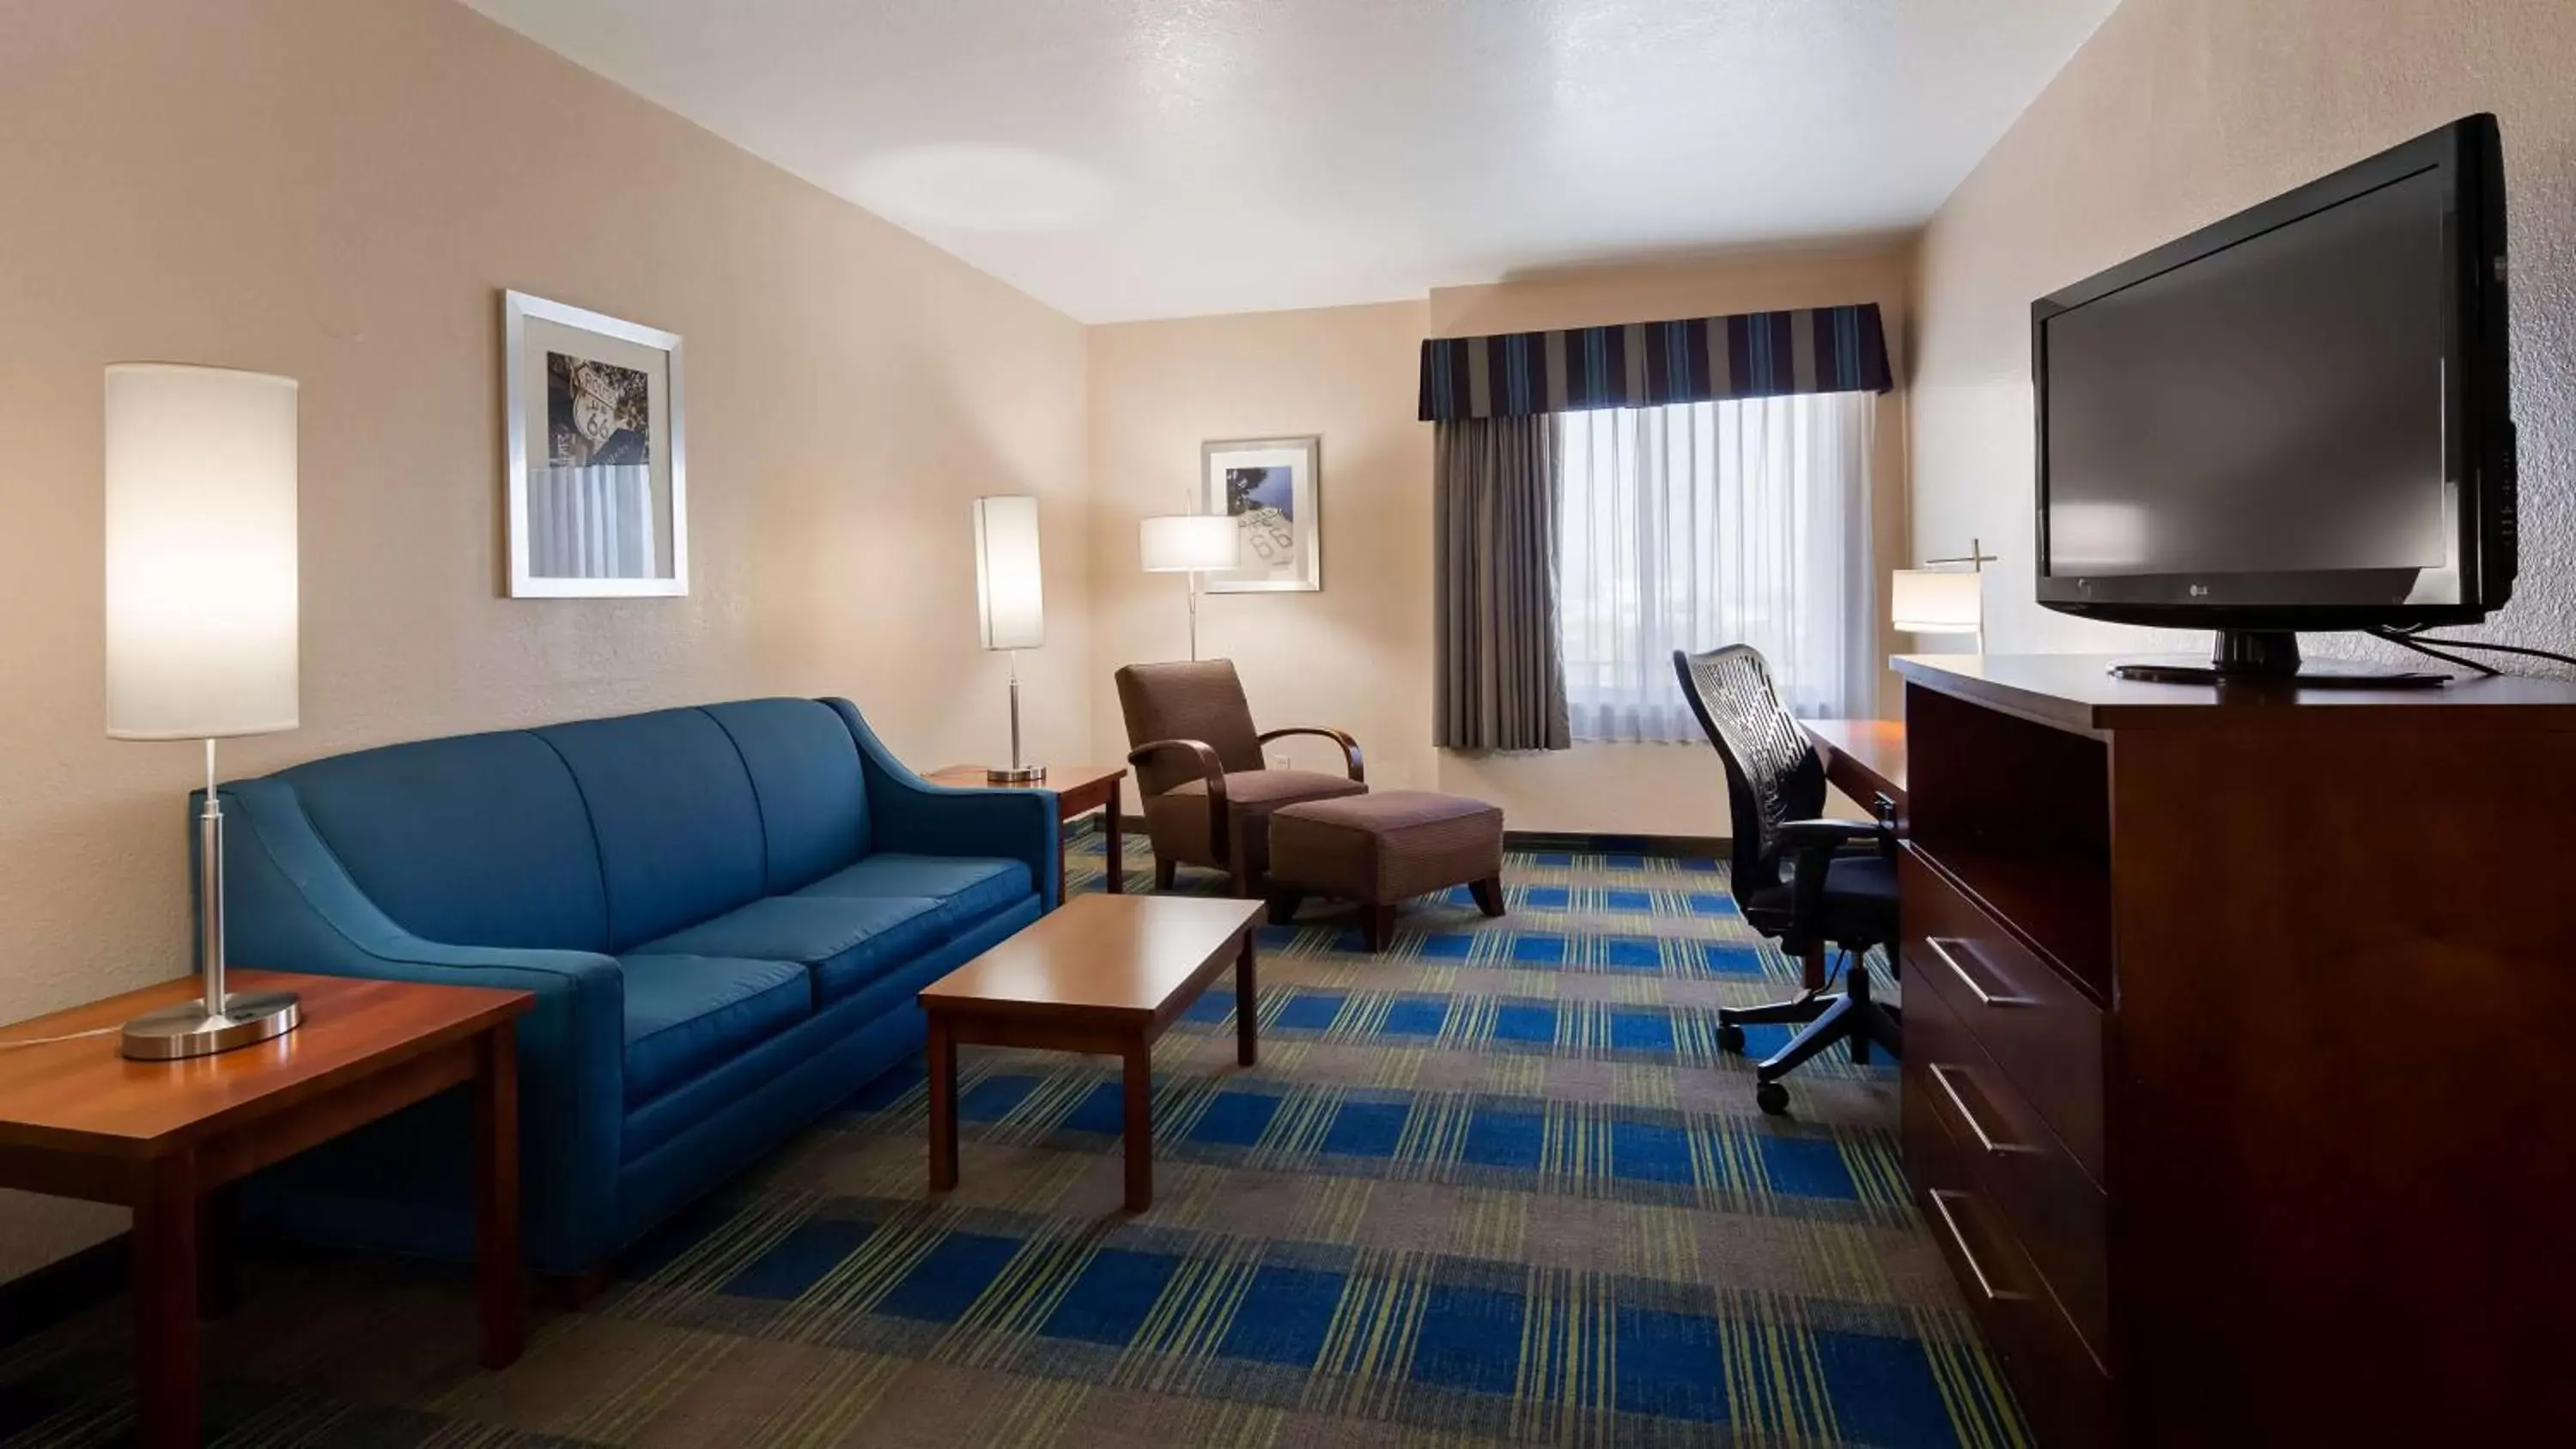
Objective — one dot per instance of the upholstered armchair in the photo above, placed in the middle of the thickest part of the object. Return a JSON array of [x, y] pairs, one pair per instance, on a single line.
[[1208, 792]]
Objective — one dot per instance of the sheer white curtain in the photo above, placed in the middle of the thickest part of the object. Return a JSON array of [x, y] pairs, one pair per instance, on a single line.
[[1703, 524]]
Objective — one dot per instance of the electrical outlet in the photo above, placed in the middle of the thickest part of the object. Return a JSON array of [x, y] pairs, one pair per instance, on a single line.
[[1279, 762]]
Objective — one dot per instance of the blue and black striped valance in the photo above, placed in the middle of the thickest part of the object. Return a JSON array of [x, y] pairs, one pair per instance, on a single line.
[[1650, 364]]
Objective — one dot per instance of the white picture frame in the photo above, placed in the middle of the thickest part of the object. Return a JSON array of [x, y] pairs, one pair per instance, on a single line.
[[597, 485], [1273, 488]]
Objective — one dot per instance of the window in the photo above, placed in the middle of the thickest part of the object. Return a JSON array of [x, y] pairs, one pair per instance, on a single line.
[[1702, 524]]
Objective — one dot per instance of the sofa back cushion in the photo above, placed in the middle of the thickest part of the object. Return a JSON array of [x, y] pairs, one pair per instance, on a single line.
[[678, 826], [475, 840], [804, 769]]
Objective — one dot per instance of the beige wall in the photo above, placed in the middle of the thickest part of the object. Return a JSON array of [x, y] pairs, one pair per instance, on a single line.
[[1355, 655], [2176, 113], [338, 191]]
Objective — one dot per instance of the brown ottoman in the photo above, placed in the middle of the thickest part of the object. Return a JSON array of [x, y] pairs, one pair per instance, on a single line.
[[1384, 848]]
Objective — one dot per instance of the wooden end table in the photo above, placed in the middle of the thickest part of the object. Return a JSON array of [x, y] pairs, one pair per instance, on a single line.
[[1079, 790], [1106, 975], [77, 1120]]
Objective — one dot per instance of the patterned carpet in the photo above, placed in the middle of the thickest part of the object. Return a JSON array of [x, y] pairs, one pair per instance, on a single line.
[[1496, 1186]]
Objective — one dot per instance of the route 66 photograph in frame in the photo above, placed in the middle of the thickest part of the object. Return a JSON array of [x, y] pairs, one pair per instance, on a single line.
[[1272, 488]]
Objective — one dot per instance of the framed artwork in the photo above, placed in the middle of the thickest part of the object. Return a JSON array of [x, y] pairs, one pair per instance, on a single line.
[[598, 480], [1272, 488]]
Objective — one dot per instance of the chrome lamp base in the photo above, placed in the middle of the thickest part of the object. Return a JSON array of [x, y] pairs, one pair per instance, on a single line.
[[186, 1030], [1014, 774]]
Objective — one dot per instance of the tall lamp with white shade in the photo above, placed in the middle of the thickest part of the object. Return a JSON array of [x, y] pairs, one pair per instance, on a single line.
[[1192, 544], [201, 624], [1010, 603], [1941, 599]]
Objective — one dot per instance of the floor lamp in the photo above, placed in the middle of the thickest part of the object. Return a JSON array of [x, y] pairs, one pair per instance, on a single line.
[[201, 624], [1010, 603], [1192, 544]]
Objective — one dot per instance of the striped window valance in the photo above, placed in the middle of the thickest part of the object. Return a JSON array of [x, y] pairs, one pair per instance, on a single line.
[[1649, 364]]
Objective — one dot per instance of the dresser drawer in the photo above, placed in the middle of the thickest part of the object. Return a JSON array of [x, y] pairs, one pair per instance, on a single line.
[[2061, 1389], [2053, 1211], [2043, 1033]]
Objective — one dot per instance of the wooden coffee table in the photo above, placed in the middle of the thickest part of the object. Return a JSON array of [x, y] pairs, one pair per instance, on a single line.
[[1079, 790], [77, 1120], [1106, 975]]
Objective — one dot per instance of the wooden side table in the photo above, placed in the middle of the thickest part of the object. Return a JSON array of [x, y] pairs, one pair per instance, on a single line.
[[77, 1120], [1079, 790]]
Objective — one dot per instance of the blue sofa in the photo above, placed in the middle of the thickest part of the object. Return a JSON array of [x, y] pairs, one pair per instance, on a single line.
[[724, 913]]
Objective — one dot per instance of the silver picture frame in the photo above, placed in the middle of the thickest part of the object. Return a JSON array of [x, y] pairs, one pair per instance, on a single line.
[[1282, 523], [655, 539]]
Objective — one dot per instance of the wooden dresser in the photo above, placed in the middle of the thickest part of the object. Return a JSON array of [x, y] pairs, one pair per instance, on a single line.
[[2237, 1078]]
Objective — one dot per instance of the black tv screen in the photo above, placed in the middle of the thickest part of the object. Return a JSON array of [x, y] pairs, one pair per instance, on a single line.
[[2292, 419]]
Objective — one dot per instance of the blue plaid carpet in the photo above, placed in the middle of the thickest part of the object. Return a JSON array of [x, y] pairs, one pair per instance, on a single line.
[[1494, 1186]]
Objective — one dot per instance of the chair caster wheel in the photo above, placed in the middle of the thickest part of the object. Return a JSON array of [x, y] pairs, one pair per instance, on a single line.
[[1772, 1098], [1730, 1038]]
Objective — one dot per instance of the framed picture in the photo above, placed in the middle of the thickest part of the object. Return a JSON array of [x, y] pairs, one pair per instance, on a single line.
[[599, 503], [1272, 488]]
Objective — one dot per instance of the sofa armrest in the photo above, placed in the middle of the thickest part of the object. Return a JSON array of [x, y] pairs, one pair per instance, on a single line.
[[917, 817], [292, 906]]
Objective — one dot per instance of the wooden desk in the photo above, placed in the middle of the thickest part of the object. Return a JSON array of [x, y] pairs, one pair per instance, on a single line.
[[1865, 759], [1079, 790], [77, 1120], [1101, 975]]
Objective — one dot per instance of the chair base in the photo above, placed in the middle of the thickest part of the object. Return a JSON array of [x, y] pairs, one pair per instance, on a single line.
[[1829, 1019]]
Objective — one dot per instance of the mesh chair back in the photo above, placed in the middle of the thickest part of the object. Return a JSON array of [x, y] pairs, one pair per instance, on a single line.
[[1773, 774]]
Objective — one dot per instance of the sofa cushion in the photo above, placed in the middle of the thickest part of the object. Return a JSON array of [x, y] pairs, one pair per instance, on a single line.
[[687, 1014], [477, 840], [679, 827], [804, 768], [845, 941], [967, 887]]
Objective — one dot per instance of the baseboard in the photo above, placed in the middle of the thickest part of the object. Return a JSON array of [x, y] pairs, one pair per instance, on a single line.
[[1681, 847], [1675, 847], [37, 1301]]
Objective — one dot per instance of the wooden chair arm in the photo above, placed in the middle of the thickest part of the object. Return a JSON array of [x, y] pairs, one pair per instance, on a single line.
[[1211, 770], [1350, 747]]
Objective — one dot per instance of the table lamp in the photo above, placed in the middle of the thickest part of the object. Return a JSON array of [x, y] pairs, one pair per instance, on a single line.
[[201, 624], [1010, 603], [1928, 601], [1192, 544]]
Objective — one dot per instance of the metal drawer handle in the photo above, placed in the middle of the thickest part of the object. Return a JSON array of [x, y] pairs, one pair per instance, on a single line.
[[1941, 1077], [1941, 1204], [1940, 947]]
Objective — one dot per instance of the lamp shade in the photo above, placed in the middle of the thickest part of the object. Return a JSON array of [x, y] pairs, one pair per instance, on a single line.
[[201, 570], [1010, 594], [1189, 543], [1925, 602]]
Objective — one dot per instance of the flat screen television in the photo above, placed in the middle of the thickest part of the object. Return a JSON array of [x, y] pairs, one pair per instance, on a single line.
[[2296, 419]]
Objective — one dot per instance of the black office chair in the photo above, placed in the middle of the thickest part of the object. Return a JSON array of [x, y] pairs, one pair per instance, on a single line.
[[1807, 882]]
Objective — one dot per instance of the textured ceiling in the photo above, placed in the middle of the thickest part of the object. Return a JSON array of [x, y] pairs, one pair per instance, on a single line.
[[1146, 158]]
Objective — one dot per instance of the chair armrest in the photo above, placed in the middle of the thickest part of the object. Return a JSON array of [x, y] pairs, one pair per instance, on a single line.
[[292, 906], [1211, 770], [916, 817], [1350, 747], [1812, 844]]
